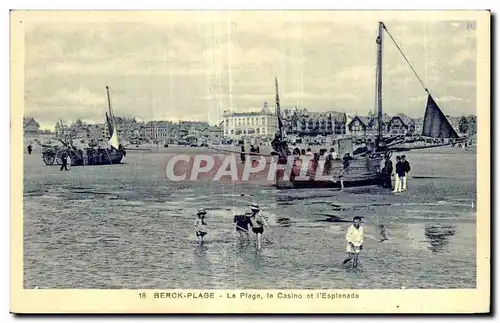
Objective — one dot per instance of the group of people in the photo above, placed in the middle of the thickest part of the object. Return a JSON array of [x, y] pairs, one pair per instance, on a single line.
[[253, 150], [256, 221], [400, 175], [253, 220]]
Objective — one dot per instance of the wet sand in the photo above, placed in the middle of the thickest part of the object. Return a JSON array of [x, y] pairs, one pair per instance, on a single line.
[[126, 226]]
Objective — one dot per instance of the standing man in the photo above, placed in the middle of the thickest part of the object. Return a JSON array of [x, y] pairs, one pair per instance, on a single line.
[[258, 221], [242, 154], [406, 168], [398, 176], [200, 225], [30, 149], [387, 172], [242, 223], [64, 161], [354, 237]]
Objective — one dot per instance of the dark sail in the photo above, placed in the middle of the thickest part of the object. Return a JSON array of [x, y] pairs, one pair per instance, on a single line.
[[436, 125], [278, 112], [110, 125]]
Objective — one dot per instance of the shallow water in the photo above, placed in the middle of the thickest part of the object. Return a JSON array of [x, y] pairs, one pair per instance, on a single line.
[[126, 226]]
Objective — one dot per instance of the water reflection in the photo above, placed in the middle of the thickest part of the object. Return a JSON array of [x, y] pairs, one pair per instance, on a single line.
[[437, 236], [383, 236]]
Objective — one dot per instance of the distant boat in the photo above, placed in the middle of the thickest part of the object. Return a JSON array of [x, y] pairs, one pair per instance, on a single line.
[[88, 156]]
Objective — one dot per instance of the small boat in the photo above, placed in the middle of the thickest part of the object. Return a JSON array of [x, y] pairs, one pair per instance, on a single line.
[[87, 156], [360, 167]]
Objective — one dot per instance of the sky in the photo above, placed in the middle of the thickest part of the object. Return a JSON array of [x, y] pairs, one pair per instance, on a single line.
[[194, 65]]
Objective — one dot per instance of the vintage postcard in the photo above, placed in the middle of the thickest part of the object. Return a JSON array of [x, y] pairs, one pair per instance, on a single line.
[[250, 161]]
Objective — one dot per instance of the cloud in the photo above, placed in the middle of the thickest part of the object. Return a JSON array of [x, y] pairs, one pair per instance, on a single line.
[[449, 98], [461, 57], [195, 65]]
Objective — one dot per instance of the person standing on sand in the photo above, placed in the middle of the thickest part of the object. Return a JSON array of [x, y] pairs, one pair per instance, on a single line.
[[242, 223], [64, 162], [242, 155], [406, 169], [200, 225], [387, 172], [400, 173], [258, 221], [355, 238]]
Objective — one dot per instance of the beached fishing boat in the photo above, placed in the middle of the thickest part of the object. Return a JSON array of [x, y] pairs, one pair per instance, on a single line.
[[86, 156], [360, 167]]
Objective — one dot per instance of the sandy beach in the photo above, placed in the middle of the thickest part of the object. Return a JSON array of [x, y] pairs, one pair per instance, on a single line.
[[126, 226]]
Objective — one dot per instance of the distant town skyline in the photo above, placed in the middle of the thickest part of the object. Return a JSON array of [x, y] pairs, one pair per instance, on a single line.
[[194, 66]]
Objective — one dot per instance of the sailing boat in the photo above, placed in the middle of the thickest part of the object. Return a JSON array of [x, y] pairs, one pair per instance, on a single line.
[[91, 156], [359, 168]]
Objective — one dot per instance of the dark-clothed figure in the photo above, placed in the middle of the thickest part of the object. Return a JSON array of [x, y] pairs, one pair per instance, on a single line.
[[406, 169], [242, 223], [387, 172], [200, 225], [400, 173], [258, 221], [64, 160], [242, 155], [30, 149]]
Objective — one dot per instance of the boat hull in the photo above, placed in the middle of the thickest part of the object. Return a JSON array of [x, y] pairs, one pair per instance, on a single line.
[[360, 172], [99, 157]]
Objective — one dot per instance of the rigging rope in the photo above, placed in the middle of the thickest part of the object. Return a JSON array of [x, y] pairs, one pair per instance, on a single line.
[[422, 84]]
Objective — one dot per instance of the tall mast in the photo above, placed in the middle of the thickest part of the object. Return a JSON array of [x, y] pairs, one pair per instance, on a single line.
[[379, 79], [109, 104], [278, 110]]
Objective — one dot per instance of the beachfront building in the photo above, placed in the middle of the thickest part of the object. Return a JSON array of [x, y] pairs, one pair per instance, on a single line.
[[30, 126], [372, 127], [358, 126], [419, 125], [259, 124], [157, 131], [212, 134], [401, 125], [127, 127], [305, 123], [398, 125]]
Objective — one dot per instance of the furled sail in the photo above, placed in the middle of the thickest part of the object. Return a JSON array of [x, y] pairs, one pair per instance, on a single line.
[[436, 125], [110, 124]]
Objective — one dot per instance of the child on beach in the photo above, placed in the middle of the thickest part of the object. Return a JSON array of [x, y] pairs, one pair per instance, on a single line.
[[200, 225]]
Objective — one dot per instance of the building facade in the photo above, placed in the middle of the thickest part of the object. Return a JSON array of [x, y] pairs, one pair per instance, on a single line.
[[401, 125], [305, 123], [30, 126], [158, 131], [261, 124]]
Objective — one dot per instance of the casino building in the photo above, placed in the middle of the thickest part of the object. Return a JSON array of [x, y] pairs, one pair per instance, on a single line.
[[245, 125]]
